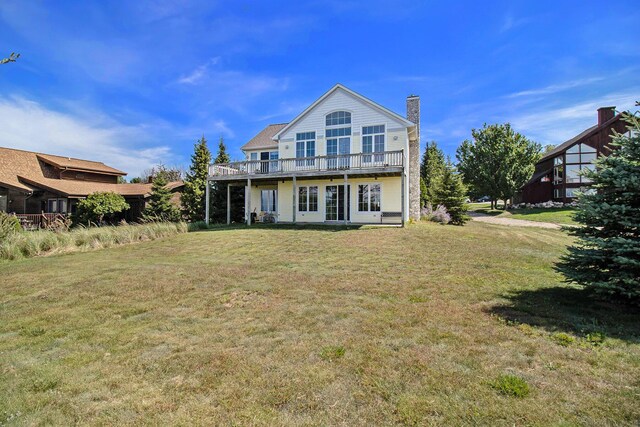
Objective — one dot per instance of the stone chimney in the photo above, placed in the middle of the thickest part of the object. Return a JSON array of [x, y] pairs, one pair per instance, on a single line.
[[413, 115], [605, 114]]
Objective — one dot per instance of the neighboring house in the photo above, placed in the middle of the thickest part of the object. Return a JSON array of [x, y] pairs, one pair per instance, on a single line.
[[557, 174], [345, 159], [35, 183]]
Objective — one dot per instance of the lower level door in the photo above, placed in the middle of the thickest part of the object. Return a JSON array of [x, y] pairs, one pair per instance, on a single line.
[[334, 202]]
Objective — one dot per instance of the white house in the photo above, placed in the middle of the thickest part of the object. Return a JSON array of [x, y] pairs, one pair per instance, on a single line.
[[344, 159]]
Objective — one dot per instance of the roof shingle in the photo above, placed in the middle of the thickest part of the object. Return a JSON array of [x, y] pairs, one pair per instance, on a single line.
[[263, 139]]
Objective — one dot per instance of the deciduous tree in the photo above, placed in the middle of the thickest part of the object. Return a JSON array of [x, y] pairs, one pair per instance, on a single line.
[[99, 207]]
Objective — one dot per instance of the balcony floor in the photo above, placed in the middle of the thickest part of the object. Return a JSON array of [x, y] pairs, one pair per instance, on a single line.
[[328, 174]]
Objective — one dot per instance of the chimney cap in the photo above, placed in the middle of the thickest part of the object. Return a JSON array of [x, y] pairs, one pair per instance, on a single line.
[[413, 96], [613, 107]]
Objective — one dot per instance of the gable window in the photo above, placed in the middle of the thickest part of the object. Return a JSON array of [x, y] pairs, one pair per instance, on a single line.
[[268, 200], [308, 199], [373, 142], [579, 158], [369, 196], [338, 118], [305, 147]]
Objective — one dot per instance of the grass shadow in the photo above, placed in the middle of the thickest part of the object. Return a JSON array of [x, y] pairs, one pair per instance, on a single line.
[[272, 227], [572, 310]]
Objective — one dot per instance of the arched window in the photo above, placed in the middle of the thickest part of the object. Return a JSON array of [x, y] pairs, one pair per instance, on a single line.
[[339, 118]]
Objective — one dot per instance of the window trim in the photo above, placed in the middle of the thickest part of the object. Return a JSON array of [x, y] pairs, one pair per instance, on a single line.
[[308, 199], [305, 141], [341, 124], [369, 184], [373, 156]]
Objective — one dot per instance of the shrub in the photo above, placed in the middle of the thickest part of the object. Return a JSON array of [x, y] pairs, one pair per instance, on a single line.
[[511, 385], [99, 207], [596, 339], [9, 225], [439, 215], [563, 339]]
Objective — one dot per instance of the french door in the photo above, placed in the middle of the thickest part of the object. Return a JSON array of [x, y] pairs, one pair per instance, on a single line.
[[335, 201]]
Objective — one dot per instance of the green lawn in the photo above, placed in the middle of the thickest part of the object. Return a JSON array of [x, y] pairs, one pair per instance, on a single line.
[[562, 216], [423, 325]]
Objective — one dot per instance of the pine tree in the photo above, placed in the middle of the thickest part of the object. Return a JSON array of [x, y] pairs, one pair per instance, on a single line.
[[606, 257], [452, 194], [160, 206], [218, 193], [431, 171], [193, 195]]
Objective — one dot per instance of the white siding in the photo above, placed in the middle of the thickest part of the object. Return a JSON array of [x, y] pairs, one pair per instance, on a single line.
[[362, 114]]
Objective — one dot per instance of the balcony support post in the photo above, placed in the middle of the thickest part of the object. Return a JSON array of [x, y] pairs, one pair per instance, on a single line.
[[402, 197], [206, 198], [228, 204], [345, 203], [248, 195], [295, 190]]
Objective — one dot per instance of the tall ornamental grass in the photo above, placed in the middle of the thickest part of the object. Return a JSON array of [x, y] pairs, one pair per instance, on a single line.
[[43, 242]]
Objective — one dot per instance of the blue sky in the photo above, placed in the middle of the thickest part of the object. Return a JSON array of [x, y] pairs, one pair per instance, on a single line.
[[134, 83]]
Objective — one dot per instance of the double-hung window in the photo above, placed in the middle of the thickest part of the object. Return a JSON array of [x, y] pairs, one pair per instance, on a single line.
[[369, 197], [308, 199], [305, 147], [373, 143]]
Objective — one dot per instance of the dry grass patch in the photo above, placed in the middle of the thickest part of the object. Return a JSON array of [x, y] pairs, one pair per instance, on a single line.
[[317, 326]]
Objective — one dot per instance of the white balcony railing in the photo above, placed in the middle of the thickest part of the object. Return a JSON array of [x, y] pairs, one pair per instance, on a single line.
[[342, 162]]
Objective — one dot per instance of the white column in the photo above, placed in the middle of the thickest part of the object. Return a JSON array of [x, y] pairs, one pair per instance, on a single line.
[[295, 191], [346, 199], [249, 201], [402, 187], [206, 206]]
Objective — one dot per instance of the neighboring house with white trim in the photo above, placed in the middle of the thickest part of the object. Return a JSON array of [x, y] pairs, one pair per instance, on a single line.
[[344, 159]]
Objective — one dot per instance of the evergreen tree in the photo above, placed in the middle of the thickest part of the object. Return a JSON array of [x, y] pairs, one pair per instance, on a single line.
[[218, 194], [606, 257], [160, 206], [452, 194], [193, 195], [431, 171]]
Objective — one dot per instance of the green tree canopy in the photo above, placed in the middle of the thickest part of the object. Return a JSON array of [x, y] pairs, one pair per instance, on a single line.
[[99, 207], [160, 207], [498, 162], [193, 195], [606, 256], [431, 170]]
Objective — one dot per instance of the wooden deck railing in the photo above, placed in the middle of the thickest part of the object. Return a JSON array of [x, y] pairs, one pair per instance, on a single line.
[[342, 162], [38, 221]]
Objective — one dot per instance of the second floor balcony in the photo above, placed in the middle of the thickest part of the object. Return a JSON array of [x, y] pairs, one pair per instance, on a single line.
[[387, 161]]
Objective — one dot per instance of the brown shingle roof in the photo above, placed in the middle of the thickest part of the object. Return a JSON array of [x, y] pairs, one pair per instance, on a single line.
[[79, 164], [21, 170], [263, 139]]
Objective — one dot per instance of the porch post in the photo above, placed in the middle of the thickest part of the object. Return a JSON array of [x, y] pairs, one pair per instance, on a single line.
[[249, 201], [206, 206], [402, 198], [228, 204], [345, 203], [295, 190]]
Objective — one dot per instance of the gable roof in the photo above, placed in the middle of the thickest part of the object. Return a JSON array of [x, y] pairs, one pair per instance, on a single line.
[[576, 139], [21, 170], [356, 95], [79, 164], [264, 138]]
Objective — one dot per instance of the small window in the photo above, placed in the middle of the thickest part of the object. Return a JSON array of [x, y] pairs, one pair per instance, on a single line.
[[338, 118], [254, 156]]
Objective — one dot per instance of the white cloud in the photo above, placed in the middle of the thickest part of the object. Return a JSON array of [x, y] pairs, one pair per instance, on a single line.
[[31, 126], [199, 72], [551, 89]]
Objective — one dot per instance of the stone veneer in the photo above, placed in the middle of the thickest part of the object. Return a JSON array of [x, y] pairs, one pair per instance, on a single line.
[[413, 115]]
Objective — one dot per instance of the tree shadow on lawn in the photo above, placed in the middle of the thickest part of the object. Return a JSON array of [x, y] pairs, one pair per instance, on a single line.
[[570, 309]]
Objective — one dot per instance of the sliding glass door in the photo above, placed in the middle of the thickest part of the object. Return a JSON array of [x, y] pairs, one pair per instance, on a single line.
[[334, 202]]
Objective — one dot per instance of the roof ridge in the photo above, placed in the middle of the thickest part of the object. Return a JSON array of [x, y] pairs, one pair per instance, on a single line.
[[38, 153]]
